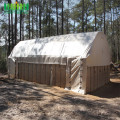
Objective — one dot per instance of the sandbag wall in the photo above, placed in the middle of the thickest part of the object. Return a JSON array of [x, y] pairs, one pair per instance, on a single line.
[[97, 76], [50, 74]]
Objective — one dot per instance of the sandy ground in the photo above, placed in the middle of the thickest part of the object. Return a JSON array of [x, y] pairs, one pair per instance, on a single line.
[[21, 100]]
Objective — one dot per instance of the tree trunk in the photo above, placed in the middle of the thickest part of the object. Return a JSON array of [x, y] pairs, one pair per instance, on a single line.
[[8, 52], [74, 26], [32, 21], [57, 16], [12, 29], [62, 20], [49, 18], [117, 35], [101, 22], [104, 19], [29, 19], [113, 38], [86, 17], [86, 22], [16, 25], [20, 23], [95, 13], [9, 34], [37, 22], [68, 19], [82, 15], [23, 28], [46, 19], [40, 18]]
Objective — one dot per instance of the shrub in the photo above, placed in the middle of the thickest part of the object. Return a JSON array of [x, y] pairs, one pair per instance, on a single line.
[[3, 66]]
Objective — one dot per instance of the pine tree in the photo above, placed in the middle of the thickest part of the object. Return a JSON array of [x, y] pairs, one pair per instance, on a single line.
[[62, 19], [57, 16], [95, 13], [82, 15]]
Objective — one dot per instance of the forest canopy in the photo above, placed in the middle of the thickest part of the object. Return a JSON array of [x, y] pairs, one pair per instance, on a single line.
[[56, 17]]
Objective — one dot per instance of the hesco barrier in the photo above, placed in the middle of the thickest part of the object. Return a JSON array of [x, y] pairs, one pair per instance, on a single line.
[[97, 76], [43, 73], [56, 75]]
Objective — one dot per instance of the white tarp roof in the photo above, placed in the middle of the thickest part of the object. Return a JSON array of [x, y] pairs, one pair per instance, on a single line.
[[64, 50], [70, 45]]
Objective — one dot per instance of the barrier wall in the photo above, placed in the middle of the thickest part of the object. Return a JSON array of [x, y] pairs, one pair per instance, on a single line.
[[43, 73], [55, 75], [97, 76]]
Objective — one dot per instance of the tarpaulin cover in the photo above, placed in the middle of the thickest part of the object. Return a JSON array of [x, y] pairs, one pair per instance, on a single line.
[[91, 46], [70, 45]]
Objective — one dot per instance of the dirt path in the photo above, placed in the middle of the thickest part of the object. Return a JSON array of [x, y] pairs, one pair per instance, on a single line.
[[20, 100]]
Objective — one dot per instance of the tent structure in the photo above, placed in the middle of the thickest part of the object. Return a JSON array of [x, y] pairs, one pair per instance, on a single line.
[[78, 62]]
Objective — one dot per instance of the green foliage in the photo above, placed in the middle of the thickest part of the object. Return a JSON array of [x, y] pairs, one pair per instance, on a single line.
[[117, 63], [3, 66], [42, 20]]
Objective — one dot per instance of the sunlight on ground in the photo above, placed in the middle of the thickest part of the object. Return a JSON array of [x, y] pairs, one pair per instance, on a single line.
[[115, 80], [26, 100]]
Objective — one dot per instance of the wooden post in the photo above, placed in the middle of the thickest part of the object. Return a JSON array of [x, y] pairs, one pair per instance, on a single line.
[[92, 78], [27, 71], [58, 73], [97, 69], [53, 75], [42, 74], [43, 69], [34, 73], [88, 80], [23, 70], [63, 76], [38, 73], [19, 71], [48, 74], [95, 78], [30, 73]]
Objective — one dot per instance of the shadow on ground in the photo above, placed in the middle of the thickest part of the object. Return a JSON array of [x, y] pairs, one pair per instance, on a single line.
[[27, 101], [110, 90]]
